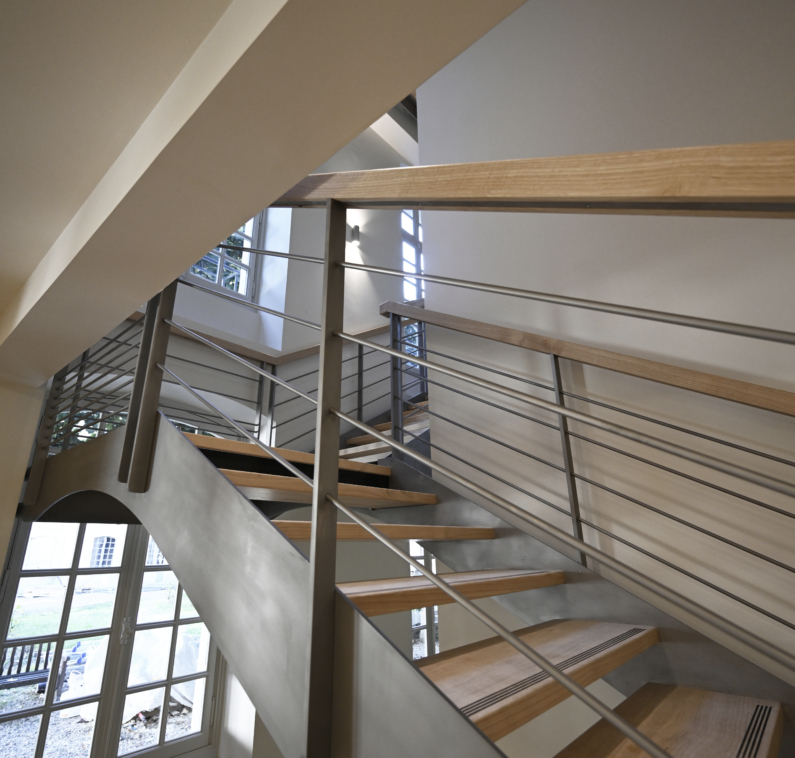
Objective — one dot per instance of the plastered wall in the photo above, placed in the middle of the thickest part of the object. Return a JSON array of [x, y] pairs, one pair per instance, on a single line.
[[574, 78]]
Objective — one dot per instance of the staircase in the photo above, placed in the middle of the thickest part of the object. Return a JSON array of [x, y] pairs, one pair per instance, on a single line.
[[214, 506]]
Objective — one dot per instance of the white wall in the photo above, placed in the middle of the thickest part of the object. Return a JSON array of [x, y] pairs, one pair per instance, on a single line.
[[579, 77]]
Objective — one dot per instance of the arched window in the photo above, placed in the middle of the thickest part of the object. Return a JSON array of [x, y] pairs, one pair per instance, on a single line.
[[102, 552]]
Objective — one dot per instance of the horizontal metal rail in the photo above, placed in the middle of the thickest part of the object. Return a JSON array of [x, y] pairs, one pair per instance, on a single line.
[[661, 591], [173, 357], [519, 645], [53, 419], [81, 394], [253, 306], [76, 430], [289, 256], [739, 472], [513, 486], [695, 322], [237, 398], [106, 350], [482, 367], [267, 448], [688, 574], [683, 475], [682, 429], [241, 361], [484, 436]]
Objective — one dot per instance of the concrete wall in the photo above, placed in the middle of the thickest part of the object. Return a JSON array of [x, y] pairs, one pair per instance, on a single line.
[[577, 77]]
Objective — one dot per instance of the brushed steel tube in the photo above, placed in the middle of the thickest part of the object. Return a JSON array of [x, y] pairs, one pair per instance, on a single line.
[[89, 407], [75, 431], [254, 306], [290, 256], [713, 619], [739, 472], [519, 645], [259, 443], [242, 361], [695, 322]]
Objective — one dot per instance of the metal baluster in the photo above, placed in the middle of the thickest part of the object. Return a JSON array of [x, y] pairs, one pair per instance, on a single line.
[[146, 428], [360, 374], [43, 440], [568, 461], [323, 547], [134, 411], [395, 334], [81, 373]]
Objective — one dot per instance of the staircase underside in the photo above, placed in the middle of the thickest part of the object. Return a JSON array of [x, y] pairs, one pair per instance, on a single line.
[[250, 584]]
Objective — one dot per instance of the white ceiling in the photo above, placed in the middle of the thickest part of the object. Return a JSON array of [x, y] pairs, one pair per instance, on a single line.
[[78, 79]]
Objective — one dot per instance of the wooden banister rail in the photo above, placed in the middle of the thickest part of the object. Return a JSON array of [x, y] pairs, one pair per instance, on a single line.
[[756, 395], [756, 179]]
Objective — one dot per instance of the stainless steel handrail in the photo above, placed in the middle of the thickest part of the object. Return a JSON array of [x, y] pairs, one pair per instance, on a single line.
[[695, 322], [267, 448], [253, 306], [289, 256], [242, 361], [679, 451], [713, 619], [519, 645]]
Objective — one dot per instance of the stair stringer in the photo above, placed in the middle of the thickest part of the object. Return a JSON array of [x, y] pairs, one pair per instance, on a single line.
[[249, 584], [251, 587]]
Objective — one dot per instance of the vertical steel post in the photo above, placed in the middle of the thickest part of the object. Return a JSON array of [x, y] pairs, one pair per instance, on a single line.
[[81, 373], [397, 380], [568, 461], [270, 426], [134, 411], [43, 438], [360, 375], [143, 446], [260, 400], [323, 546]]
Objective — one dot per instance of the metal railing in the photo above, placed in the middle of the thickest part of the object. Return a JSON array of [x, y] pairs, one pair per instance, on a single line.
[[411, 367]]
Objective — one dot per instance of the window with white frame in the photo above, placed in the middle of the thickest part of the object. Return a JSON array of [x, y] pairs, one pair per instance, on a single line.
[[229, 266], [413, 262], [424, 621], [103, 653]]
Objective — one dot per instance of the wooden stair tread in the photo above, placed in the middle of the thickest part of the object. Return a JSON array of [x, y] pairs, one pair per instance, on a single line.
[[378, 596], [688, 723], [302, 530], [368, 438], [416, 416], [499, 689], [289, 489], [204, 442]]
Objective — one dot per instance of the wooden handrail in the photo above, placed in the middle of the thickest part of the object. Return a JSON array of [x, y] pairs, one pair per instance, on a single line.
[[756, 395], [756, 179]]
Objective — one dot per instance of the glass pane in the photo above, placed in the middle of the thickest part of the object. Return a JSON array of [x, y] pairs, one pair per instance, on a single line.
[[187, 609], [185, 707], [26, 669], [38, 606], [140, 726], [409, 291], [103, 546], [407, 222], [207, 267], [70, 733], [92, 602], [417, 617], [81, 669], [153, 555], [418, 637], [409, 253], [239, 255], [158, 597], [193, 646], [150, 656], [235, 277], [18, 738], [50, 546]]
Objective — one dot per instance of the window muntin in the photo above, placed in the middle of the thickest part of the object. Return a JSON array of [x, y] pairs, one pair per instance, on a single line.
[[63, 673], [230, 270]]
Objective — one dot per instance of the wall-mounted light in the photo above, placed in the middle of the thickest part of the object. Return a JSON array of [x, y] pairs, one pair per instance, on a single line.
[[354, 240]]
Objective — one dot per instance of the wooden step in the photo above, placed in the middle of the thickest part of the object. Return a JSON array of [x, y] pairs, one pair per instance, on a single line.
[[366, 439], [203, 442], [499, 689], [289, 489], [416, 416], [302, 530], [374, 448], [687, 723], [378, 596]]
